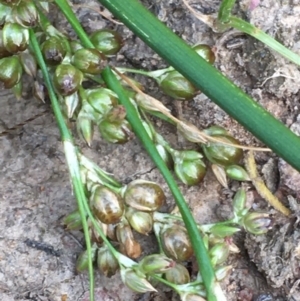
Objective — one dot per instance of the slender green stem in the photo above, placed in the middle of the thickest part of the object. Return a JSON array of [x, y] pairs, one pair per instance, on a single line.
[[225, 10], [265, 38], [70, 152], [196, 240], [207, 79]]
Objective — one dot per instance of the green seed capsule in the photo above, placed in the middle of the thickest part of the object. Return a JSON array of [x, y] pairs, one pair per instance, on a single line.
[[106, 262], [3, 51], [219, 253], [29, 64], [106, 205], [67, 79], [177, 86], [156, 263], [221, 153], [5, 11], [178, 274], [73, 221], [141, 222], [107, 41], [189, 167], [144, 195], [83, 259], [237, 172], [89, 60], [15, 37], [205, 52], [102, 100], [11, 71], [176, 243], [26, 14], [53, 51], [257, 222], [165, 155]]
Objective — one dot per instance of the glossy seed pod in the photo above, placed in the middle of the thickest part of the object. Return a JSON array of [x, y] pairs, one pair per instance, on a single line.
[[189, 167], [53, 51], [107, 41], [106, 205], [82, 261], [26, 14], [177, 86], [11, 71], [67, 79], [223, 154], [155, 264], [73, 221], [106, 262], [29, 64], [15, 37], [3, 51], [143, 195], [128, 245], [141, 222], [114, 128], [178, 274], [206, 52], [101, 99], [176, 243], [237, 172], [5, 11], [219, 253], [89, 60]]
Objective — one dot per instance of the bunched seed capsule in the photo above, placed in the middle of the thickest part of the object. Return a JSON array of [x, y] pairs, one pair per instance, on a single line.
[[83, 259], [53, 51], [67, 79], [25, 13], [89, 60], [73, 221], [178, 274], [106, 205], [3, 51], [223, 154], [107, 41], [206, 52], [11, 71], [143, 195], [15, 37], [177, 86], [140, 221], [176, 243], [28, 63], [106, 262]]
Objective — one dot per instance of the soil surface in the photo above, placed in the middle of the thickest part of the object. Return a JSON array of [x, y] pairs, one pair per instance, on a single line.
[[37, 256]]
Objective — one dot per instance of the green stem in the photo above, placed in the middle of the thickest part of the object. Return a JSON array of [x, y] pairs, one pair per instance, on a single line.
[[225, 10], [265, 38], [70, 153], [196, 240], [207, 79]]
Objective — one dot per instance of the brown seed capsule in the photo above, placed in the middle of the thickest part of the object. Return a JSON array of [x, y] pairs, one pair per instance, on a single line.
[[176, 243], [26, 13], [106, 262], [82, 260], [11, 71], [106, 205], [143, 195], [53, 51], [128, 245], [178, 274], [206, 52], [140, 221]]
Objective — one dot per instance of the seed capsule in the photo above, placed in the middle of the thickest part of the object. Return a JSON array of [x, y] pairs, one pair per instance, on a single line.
[[140, 221], [156, 263], [106, 262], [102, 100], [28, 63], [3, 51], [219, 253], [53, 51], [165, 155], [177, 86], [205, 52], [176, 243], [88, 60], [83, 259], [178, 274], [73, 221], [67, 79], [26, 14], [143, 195], [189, 167], [257, 222], [106, 205], [237, 172], [128, 245], [107, 41], [5, 11], [221, 153], [11, 71], [15, 37]]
